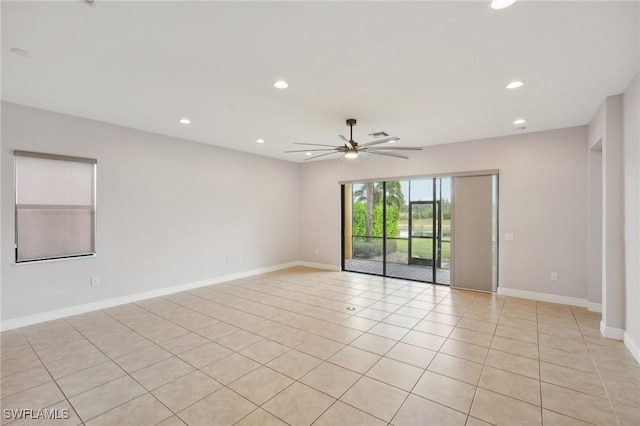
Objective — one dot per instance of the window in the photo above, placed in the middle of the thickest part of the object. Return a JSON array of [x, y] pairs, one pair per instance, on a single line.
[[55, 206]]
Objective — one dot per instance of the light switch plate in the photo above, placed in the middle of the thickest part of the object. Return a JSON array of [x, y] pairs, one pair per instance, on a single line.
[[508, 236]]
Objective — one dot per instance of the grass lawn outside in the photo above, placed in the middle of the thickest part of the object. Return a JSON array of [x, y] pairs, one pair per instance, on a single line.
[[425, 225], [422, 247]]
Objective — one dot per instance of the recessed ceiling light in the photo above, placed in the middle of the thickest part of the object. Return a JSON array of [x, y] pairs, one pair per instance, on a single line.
[[515, 84], [519, 121], [185, 121], [260, 141], [501, 4], [281, 84], [20, 52], [308, 154]]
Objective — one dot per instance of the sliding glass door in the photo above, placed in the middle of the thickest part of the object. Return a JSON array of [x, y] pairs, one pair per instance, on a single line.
[[399, 229], [366, 224]]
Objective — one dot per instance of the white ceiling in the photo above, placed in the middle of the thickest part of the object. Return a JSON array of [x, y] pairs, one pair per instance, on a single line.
[[428, 72]]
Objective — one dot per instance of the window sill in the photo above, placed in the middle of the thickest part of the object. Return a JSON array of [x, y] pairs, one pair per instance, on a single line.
[[60, 259]]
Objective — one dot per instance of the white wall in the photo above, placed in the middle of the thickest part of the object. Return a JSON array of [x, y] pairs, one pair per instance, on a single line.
[[170, 212], [631, 125], [543, 202]]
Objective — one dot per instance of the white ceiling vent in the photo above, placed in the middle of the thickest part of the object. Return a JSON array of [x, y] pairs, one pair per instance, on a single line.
[[380, 134]]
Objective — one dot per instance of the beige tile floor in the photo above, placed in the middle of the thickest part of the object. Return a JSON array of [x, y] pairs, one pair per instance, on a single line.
[[282, 348]]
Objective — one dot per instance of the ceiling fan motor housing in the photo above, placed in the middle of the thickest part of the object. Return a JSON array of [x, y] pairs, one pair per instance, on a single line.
[[351, 121]]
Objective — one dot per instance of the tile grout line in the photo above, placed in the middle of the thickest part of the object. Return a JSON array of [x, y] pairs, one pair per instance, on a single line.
[[439, 351], [410, 392], [126, 373], [615, 412], [269, 319], [336, 400], [539, 368], [260, 406], [574, 369], [365, 374], [173, 355], [361, 332], [54, 381], [286, 298], [484, 365]]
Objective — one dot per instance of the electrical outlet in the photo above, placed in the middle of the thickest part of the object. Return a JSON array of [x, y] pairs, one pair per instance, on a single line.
[[95, 281], [554, 276]]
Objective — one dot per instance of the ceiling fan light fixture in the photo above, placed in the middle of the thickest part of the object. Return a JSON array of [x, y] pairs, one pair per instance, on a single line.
[[515, 84], [501, 4], [351, 154], [280, 84]]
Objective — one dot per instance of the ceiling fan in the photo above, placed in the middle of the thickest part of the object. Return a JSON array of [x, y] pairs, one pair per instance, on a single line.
[[351, 149]]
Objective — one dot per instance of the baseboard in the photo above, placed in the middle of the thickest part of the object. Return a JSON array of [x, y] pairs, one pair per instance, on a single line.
[[594, 307], [611, 332], [319, 265], [24, 321], [631, 345], [543, 297]]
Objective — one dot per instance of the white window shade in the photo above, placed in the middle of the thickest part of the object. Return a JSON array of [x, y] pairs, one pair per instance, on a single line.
[[55, 182], [55, 206]]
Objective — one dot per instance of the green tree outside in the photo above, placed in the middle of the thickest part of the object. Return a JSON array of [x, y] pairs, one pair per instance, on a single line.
[[371, 195], [360, 220]]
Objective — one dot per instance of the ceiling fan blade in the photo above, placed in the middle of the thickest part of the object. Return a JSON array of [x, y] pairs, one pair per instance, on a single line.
[[368, 157], [321, 155], [313, 144], [392, 148], [341, 159], [347, 141], [388, 154], [311, 150], [383, 140]]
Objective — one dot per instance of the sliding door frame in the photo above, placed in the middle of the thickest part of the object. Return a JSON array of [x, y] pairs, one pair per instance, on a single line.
[[384, 228], [437, 232], [342, 222]]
